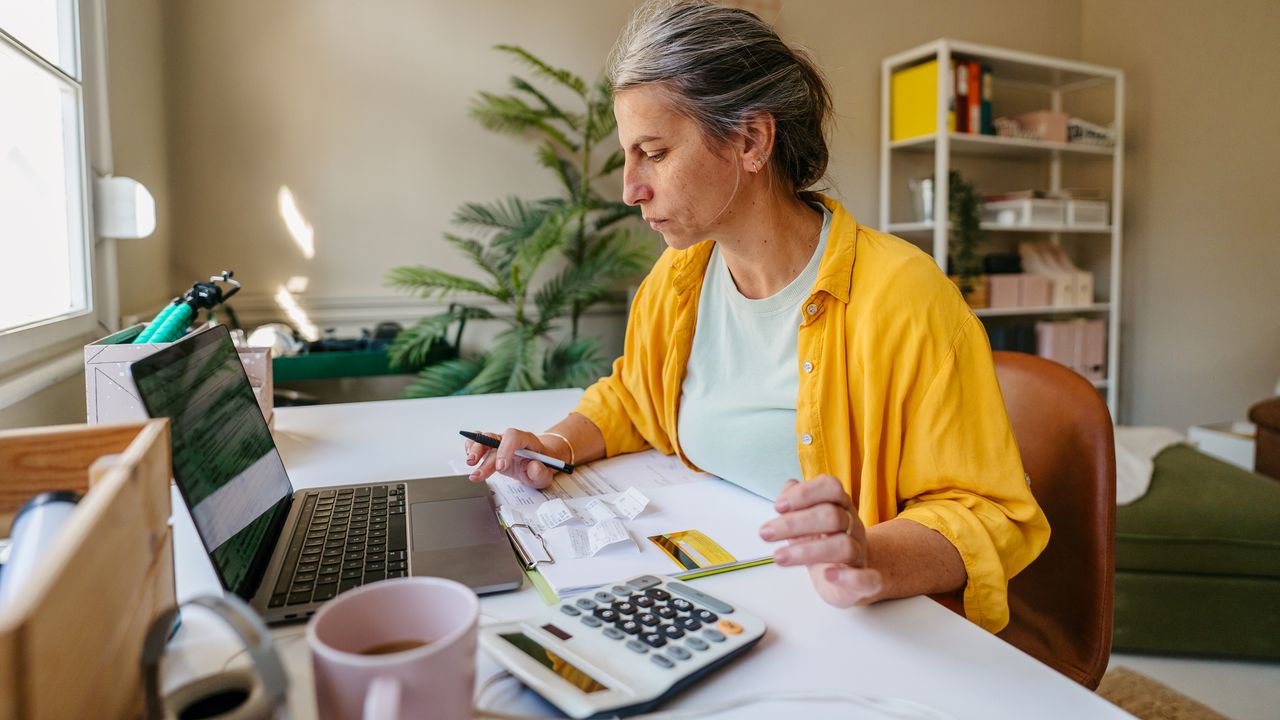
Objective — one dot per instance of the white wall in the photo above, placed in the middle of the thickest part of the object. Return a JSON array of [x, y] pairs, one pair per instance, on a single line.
[[1201, 332]]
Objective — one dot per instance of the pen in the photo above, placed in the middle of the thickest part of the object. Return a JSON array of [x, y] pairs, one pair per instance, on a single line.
[[553, 463]]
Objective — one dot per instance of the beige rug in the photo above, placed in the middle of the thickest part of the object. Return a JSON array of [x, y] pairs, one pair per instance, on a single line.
[[1148, 699]]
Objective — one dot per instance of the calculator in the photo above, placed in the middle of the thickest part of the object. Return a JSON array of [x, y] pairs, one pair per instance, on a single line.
[[622, 649]]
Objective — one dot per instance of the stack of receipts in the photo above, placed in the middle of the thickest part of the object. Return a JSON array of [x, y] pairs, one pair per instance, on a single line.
[[632, 515]]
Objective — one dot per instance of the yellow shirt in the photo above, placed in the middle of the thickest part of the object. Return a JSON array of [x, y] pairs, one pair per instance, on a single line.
[[898, 399]]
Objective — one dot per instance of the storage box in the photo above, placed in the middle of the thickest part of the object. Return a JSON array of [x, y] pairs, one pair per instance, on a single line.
[[1044, 125], [913, 102], [1232, 442], [71, 639], [1025, 212], [111, 396], [1086, 213]]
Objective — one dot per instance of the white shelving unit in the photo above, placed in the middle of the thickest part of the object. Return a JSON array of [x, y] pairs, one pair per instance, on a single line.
[[1062, 83]]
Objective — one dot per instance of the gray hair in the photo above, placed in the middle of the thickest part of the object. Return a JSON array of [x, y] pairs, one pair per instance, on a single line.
[[722, 66]]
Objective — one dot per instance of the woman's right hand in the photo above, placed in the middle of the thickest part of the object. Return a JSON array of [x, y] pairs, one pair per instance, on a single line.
[[503, 458]]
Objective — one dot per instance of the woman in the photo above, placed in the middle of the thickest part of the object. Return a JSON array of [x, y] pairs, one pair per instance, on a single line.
[[796, 343]]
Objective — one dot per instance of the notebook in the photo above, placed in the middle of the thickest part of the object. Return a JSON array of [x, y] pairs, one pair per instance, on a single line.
[[287, 551]]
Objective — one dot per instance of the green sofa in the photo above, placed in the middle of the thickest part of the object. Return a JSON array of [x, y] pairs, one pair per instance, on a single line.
[[1198, 561]]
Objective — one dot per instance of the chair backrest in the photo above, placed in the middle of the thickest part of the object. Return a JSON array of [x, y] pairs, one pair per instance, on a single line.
[[1061, 605]]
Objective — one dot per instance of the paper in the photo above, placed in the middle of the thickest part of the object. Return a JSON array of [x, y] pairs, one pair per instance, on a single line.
[[586, 543], [554, 513], [644, 471], [679, 500]]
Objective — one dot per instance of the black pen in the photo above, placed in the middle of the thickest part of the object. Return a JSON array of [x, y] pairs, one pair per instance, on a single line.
[[553, 463]]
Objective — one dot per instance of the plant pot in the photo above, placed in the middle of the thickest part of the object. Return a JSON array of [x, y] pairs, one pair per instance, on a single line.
[[977, 297]]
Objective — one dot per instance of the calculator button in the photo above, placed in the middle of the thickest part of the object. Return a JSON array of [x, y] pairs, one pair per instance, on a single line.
[[624, 607], [658, 594], [664, 612], [591, 621], [613, 633], [730, 627], [630, 627], [706, 616], [620, 591], [682, 605], [687, 623], [570, 610], [697, 643], [654, 639], [647, 619], [602, 596], [643, 582], [713, 635], [637, 646], [672, 631], [679, 653], [603, 613], [700, 597], [644, 601], [585, 604], [662, 661]]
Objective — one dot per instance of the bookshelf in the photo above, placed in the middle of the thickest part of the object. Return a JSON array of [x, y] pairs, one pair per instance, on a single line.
[[1022, 82]]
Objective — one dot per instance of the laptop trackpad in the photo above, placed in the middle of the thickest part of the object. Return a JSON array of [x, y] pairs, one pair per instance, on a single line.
[[444, 524]]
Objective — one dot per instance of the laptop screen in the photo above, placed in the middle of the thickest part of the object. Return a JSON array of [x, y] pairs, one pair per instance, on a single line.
[[224, 460]]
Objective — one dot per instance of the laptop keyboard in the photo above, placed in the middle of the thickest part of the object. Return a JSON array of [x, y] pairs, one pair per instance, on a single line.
[[346, 537]]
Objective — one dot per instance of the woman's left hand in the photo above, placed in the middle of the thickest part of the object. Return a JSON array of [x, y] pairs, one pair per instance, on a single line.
[[823, 532]]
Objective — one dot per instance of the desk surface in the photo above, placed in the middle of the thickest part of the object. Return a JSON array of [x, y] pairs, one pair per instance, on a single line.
[[911, 649]]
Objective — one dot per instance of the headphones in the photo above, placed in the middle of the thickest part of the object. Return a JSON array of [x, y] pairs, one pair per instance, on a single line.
[[255, 693]]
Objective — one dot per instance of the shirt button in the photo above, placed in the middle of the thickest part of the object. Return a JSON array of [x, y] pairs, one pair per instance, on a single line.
[[807, 439], [812, 309], [808, 366]]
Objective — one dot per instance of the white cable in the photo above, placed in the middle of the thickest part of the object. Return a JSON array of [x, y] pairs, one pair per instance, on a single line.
[[882, 706]]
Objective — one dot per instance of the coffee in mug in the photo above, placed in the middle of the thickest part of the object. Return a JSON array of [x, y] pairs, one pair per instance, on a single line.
[[392, 647], [401, 648]]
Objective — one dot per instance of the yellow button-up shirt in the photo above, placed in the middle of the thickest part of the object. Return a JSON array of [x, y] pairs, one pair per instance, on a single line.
[[898, 399]]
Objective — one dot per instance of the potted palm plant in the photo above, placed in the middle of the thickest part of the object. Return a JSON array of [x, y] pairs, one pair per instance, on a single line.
[[509, 240]]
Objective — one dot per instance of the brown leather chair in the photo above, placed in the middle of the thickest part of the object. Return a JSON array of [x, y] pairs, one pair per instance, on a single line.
[[1266, 454], [1060, 606]]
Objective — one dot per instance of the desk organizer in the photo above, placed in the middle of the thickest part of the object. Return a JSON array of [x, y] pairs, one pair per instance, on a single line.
[[71, 641]]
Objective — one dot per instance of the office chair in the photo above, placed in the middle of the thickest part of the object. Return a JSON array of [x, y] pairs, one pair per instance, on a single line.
[[1060, 606]]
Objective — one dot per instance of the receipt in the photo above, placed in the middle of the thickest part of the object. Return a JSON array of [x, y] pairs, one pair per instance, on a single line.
[[554, 513], [586, 543]]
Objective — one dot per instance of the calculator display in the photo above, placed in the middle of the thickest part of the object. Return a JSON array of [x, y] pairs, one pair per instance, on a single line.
[[555, 663]]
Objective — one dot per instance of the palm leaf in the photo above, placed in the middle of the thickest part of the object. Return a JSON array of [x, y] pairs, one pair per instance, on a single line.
[[493, 263], [575, 363], [509, 114], [425, 282], [612, 163], [550, 109], [411, 346], [446, 378], [564, 77], [546, 238], [509, 213], [613, 212], [568, 174]]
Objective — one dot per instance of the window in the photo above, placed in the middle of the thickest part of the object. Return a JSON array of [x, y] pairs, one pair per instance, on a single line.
[[46, 239]]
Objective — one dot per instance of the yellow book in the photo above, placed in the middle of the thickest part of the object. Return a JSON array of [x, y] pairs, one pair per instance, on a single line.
[[913, 98]]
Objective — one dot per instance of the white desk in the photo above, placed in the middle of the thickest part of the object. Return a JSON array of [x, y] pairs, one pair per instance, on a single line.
[[912, 649]]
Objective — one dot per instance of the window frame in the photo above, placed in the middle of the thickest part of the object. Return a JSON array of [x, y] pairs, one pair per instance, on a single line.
[[38, 343]]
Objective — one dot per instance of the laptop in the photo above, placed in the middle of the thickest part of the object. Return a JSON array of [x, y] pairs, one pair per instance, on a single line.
[[285, 551]]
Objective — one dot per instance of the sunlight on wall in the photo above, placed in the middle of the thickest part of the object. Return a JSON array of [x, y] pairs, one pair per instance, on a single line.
[[296, 314], [297, 284], [301, 231]]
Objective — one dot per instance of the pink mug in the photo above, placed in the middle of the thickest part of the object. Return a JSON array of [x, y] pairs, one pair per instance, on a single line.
[[402, 648]]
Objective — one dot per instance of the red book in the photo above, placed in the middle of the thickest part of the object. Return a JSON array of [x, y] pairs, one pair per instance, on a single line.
[[974, 119], [962, 97]]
